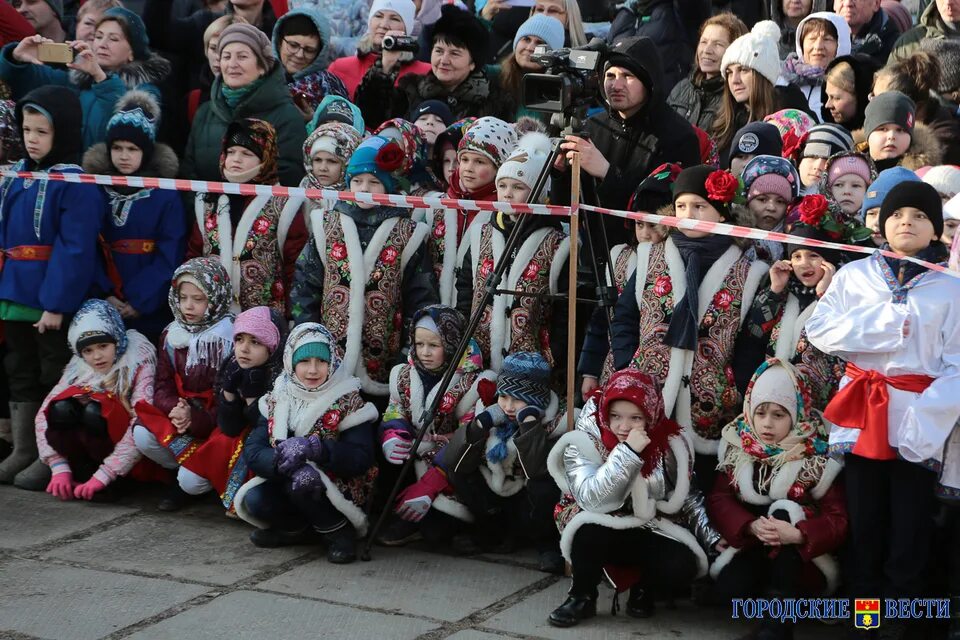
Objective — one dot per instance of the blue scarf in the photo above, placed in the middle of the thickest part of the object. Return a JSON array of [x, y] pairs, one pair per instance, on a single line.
[[498, 452]]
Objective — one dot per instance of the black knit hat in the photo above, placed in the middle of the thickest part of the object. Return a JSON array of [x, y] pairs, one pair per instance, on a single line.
[[918, 195], [135, 121], [890, 107], [656, 190], [238, 135], [757, 139], [694, 180], [834, 257], [462, 28]]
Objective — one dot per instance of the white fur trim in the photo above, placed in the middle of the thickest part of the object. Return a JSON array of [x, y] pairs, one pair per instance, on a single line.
[[472, 396], [791, 326], [794, 510], [824, 562], [675, 498], [495, 474], [448, 268], [313, 412], [451, 507], [242, 512], [784, 479], [556, 265], [233, 240], [722, 561], [350, 510], [758, 269]]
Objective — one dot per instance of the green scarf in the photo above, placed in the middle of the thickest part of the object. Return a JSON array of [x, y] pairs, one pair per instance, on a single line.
[[234, 96]]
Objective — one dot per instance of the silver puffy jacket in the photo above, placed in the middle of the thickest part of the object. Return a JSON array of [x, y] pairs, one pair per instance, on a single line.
[[605, 488]]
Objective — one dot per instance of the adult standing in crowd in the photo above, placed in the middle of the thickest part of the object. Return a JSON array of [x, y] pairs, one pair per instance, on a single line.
[[874, 32], [45, 17], [821, 37], [788, 14], [251, 85], [659, 21], [503, 21], [89, 15], [940, 20], [848, 82]]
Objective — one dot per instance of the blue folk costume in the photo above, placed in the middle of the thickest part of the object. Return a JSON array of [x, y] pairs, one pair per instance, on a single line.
[[142, 240]]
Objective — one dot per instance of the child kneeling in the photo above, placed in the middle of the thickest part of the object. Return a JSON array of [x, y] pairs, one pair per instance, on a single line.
[[312, 452]]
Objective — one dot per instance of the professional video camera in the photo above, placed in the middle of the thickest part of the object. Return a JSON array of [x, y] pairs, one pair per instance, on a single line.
[[571, 81]]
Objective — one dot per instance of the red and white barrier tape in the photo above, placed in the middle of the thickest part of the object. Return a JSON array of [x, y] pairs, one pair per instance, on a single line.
[[430, 202]]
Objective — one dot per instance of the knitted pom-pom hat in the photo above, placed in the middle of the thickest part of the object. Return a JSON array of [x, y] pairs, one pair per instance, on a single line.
[[526, 376]]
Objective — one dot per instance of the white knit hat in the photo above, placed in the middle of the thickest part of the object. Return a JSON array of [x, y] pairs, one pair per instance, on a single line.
[[527, 160], [405, 8], [757, 50], [951, 210], [490, 137], [945, 179], [775, 385]]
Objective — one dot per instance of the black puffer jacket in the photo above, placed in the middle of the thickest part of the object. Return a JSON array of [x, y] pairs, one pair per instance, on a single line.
[[659, 21], [697, 104]]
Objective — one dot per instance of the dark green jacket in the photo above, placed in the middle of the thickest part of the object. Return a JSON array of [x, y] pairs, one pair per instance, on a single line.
[[271, 102], [930, 26]]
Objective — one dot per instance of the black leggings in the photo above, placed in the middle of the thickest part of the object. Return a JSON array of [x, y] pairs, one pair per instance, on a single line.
[[526, 514], [666, 564], [78, 432]]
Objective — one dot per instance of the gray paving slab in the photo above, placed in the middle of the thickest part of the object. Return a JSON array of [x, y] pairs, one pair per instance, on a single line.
[[408, 581], [30, 518], [179, 546], [473, 634], [246, 614], [66, 603]]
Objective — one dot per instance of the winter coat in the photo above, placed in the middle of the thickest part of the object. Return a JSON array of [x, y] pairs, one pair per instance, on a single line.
[[659, 21], [864, 69], [144, 231], [201, 378], [352, 69], [697, 104], [925, 149], [271, 102], [877, 38], [348, 19], [595, 360], [97, 99], [788, 34], [930, 26]]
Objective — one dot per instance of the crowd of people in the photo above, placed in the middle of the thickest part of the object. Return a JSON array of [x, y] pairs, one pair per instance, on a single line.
[[757, 417]]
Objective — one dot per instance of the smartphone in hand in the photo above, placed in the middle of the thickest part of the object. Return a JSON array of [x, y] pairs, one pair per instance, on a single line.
[[56, 52]]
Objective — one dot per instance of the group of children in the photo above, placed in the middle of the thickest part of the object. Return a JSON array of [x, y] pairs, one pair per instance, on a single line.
[[737, 380]]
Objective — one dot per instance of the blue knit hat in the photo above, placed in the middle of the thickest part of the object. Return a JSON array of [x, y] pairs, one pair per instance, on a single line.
[[364, 160], [134, 29], [548, 29], [525, 376], [880, 187]]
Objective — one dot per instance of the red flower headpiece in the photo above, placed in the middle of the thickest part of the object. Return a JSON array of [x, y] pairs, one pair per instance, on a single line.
[[722, 186], [390, 157], [812, 209]]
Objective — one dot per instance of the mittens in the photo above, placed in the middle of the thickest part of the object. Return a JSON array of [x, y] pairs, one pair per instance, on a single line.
[[306, 481], [293, 453], [254, 383], [492, 416], [529, 416]]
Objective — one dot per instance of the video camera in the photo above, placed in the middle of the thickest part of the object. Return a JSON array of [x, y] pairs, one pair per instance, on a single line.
[[570, 82]]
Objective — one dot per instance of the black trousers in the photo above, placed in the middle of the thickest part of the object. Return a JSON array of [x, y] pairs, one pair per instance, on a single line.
[[34, 361], [274, 503], [78, 432], [666, 565], [891, 506], [526, 514]]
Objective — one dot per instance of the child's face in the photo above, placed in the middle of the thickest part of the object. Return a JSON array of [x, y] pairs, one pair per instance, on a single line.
[[692, 207], [431, 126], [871, 220], [510, 405], [888, 141], [909, 231], [949, 229], [807, 266], [367, 183], [429, 349], [624, 416], [126, 157], [476, 171], [450, 162], [240, 160], [848, 191], [100, 356], [326, 168], [738, 163], [647, 231], [810, 170], [193, 302], [768, 209], [37, 135], [512, 190], [249, 351], [312, 372], [771, 423]]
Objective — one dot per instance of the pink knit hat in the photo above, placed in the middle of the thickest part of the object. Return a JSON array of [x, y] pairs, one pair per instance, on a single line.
[[257, 323], [770, 183], [845, 166]]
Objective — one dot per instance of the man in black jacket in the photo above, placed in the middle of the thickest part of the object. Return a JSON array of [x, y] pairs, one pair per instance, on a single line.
[[874, 33]]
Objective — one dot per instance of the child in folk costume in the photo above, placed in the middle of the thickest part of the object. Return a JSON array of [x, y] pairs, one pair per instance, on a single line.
[[680, 313], [538, 268], [876, 192], [256, 361], [486, 144], [312, 452], [414, 176], [845, 180], [257, 237], [951, 220], [413, 386], [142, 238], [325, 155], [897, 325], [193, 347], [652, 196], [776, 500], [366, 270], [84, 430], [48, 238], [629, 507], [771, 185], [497, 464]]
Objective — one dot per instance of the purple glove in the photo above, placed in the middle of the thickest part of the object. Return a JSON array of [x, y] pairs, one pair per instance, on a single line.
[[307, 481], [293, 453]]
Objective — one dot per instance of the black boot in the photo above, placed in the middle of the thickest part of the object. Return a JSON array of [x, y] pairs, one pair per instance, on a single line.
[[573, 610], [399, 532], [273, 538], [640, 604], [174, 499], [550, 561], [341, 544]]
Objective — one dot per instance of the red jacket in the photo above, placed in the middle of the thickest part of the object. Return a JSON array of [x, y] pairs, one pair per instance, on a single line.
[[201, 378], [351, 69], [13, 26]]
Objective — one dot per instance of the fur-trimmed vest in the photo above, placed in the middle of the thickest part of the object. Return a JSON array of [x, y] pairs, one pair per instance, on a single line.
[[515, 323], [253, 252], [338, 409], [445, 248], [362, 290], [699, 388], [606, 488]]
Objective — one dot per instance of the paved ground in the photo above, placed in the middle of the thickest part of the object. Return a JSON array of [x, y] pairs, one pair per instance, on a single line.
[[83, 571]]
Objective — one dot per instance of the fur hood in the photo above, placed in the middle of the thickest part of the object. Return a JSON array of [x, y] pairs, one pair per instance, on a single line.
[[153, 70], [925, 150], [163, 163]]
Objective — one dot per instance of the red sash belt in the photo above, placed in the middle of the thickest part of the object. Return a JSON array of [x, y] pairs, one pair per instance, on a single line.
[[26, 252], [206, 396], [133, 247], [863, 404]]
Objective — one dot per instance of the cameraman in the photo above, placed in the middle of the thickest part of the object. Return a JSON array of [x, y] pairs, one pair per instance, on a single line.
[[638, 132]]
